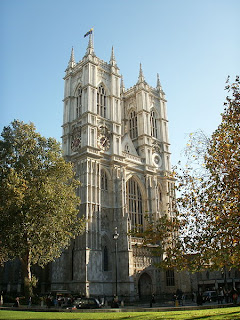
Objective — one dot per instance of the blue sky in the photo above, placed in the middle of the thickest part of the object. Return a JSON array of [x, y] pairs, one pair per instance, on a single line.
[[193, 45]]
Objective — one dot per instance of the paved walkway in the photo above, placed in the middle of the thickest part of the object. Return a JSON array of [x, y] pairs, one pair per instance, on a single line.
[[143, 307]]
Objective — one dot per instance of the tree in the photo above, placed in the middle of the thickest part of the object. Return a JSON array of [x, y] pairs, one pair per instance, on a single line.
[[207, 213], [38, 201]]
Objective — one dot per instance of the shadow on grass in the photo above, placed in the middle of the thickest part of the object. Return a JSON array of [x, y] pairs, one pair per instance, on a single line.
[[223, 316]]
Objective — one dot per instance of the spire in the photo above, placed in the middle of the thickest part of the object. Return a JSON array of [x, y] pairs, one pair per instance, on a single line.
[[122, 87], [112, 59], [90, 49], [71, 63], [140, 77], [159, 87]]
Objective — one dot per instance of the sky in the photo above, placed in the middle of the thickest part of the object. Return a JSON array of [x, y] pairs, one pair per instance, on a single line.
[[193, 45]]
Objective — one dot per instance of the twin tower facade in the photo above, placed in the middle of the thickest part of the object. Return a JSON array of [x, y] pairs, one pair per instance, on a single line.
[[117, 139]]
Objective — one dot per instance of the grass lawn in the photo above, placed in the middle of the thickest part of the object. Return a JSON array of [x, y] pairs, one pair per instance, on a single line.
[[213, 314]]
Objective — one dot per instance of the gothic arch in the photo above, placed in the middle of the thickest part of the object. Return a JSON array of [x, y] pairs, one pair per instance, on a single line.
[[145, 285], [131, 109], [153, 108], [79, 85], [140, 184], [104, 85], [107, 172]]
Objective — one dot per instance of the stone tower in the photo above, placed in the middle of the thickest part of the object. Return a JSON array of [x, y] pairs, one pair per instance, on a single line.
[[117, 139]]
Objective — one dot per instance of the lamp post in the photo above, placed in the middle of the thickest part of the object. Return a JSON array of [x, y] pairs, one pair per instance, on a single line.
[[115, 238]]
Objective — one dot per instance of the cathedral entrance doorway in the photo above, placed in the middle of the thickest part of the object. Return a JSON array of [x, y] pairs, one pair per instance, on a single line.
[[144, 286]]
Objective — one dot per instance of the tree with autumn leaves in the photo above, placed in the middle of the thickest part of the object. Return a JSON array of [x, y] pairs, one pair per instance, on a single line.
[[205, 230], [38, 201]]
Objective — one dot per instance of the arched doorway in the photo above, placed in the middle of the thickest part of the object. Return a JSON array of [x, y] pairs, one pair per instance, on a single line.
[[144, 286]]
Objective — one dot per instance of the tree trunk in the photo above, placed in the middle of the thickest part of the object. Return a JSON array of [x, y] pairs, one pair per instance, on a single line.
[[27, 275]]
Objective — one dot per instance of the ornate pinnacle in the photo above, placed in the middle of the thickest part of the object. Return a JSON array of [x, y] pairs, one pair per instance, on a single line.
[[112, 59], [158, 82], [71, 62], [140, 77], [90, 49]]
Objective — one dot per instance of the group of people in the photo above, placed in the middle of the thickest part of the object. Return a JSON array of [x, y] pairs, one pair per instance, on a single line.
[[58, 301], [179, 297], [229, 296]]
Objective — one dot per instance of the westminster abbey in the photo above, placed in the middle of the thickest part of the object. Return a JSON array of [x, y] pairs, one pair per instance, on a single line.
[[117, 139]]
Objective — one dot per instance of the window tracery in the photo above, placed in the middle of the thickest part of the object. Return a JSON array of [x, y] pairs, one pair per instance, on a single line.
[[133, 125], [134, 203], [104, 180], [153, 122], [101, 101]]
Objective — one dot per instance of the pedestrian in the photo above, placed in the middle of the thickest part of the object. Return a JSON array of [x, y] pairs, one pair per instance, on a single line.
[[235, 296], [199, 299], [183, 299], [16, 303], [221, 294], [29, 302], [1, 299]]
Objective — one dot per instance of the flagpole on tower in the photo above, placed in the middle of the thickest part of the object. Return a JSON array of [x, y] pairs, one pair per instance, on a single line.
[[93, 36]]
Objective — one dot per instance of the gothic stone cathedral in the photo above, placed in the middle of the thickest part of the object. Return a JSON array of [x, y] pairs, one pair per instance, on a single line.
[[117, 139]]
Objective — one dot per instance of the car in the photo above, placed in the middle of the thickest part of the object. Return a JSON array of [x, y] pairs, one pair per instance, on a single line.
[[86, 303], [209, 296]]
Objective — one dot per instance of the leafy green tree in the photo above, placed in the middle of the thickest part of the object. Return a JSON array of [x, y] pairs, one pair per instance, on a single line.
[[205, 231], [38, 202]]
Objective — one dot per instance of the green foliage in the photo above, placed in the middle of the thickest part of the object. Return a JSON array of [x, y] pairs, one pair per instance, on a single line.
[[38, 202]]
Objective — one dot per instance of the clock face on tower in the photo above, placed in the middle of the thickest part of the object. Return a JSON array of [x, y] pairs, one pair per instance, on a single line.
[[104, 142], [104, 139], [157, 160]]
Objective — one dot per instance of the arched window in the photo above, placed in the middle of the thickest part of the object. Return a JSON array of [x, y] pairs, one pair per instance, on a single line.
[[134, 204], [101, 101], [79, 102], [105, 259], [104, 181], [133, 125], [153, 122]]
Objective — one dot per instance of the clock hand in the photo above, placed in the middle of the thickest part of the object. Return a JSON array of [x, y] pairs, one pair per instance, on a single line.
[[104, 141]]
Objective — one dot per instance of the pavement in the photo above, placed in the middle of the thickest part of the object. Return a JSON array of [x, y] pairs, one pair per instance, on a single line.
[[137, 307]]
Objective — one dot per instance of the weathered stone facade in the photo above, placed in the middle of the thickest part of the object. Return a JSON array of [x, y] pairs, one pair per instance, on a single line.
[[117, 139]]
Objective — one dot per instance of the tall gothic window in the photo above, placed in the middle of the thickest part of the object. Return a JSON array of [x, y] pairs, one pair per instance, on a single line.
[[134, 203], [133, 125], [105, 259], [79, 102], [104, 182], [170, 279], [153, 122], [101, 101]]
